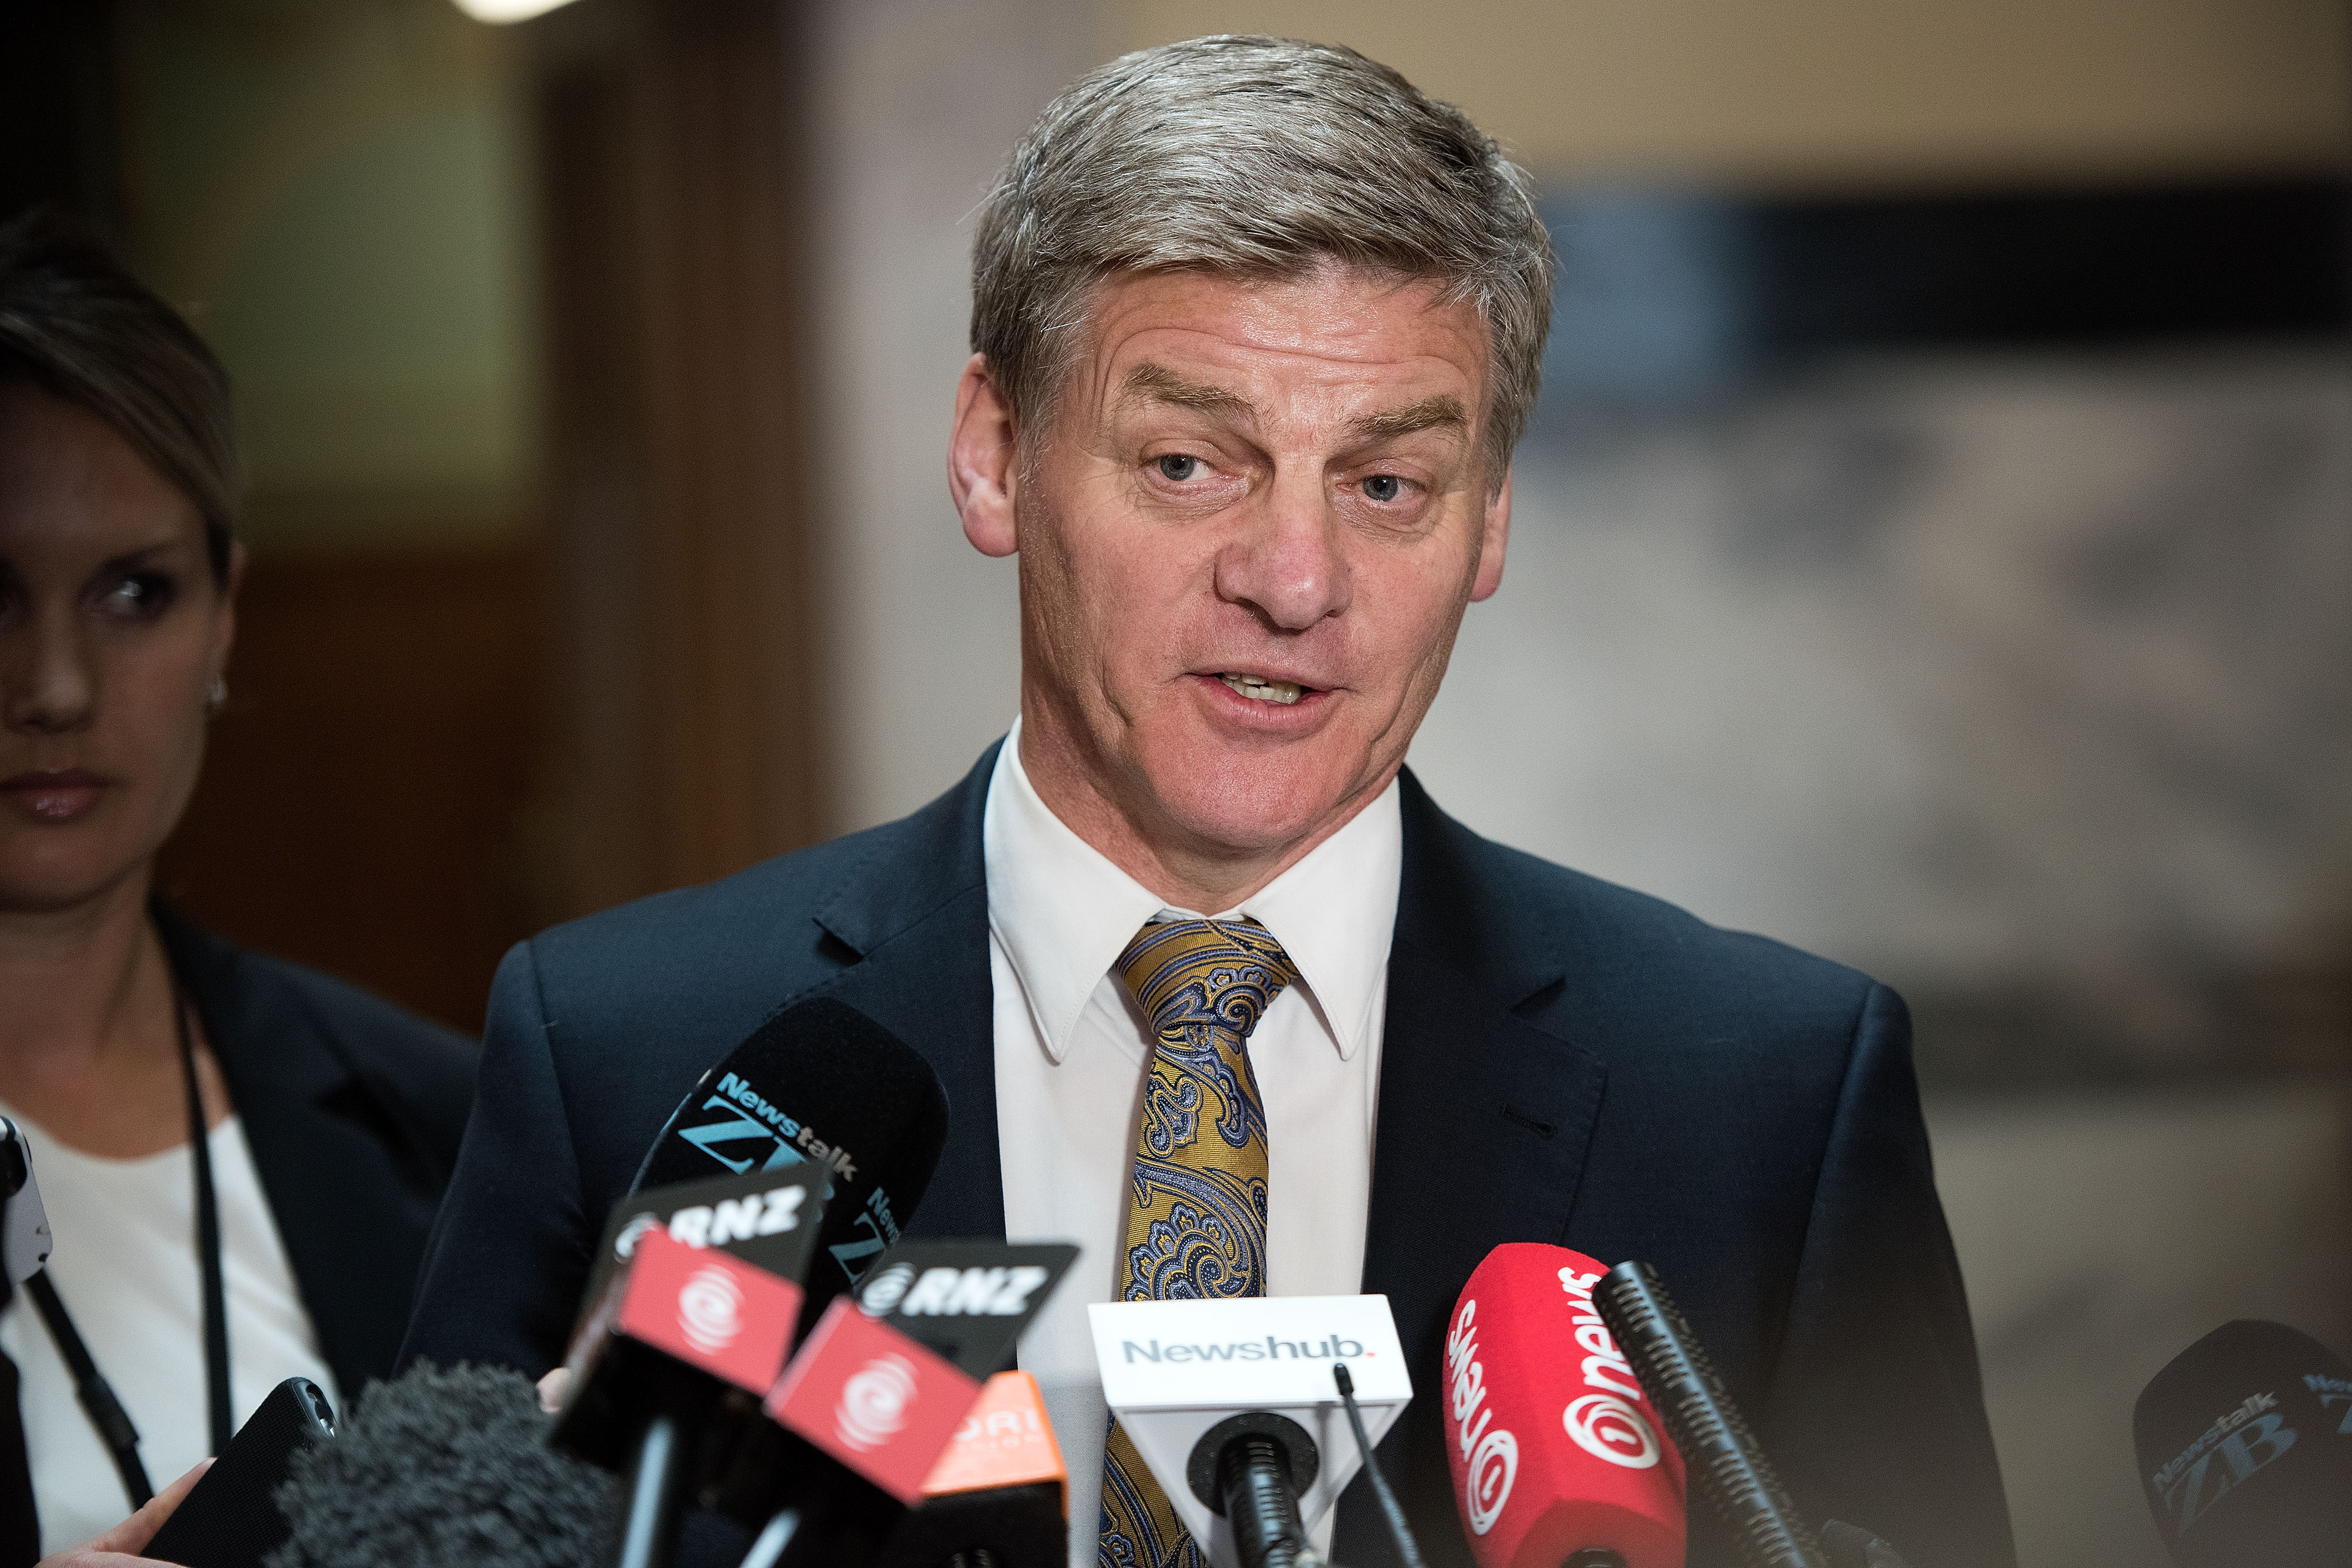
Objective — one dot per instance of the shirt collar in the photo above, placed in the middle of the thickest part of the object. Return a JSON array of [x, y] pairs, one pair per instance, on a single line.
[[1063, 912]]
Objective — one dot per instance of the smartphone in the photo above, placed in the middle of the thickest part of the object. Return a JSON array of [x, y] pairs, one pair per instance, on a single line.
[[230, 1519]]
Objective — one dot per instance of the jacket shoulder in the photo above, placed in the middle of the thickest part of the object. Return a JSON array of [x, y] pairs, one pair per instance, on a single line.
[[726, 953], [1591, 940], [1673, 945], [288, 1022]]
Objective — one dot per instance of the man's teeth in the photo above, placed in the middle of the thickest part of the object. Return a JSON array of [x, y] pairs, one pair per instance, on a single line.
[[1282, 691]]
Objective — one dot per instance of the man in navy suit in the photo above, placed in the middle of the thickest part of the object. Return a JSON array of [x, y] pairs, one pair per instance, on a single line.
[[1257, 326]]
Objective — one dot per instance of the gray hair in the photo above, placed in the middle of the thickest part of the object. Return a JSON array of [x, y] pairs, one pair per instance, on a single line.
[[1262, 158], [76, 323]]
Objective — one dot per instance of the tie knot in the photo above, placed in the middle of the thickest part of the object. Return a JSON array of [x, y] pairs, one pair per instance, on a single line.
[[1220, 973]]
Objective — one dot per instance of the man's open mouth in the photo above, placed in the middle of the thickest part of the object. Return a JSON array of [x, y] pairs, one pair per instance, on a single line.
[[1260, 689]]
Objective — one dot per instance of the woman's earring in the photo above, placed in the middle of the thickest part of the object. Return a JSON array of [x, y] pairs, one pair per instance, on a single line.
[[216, 697]]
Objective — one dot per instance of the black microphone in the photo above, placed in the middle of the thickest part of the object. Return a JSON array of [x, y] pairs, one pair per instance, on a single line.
[[2244, 1443], [448, 1467], [1721, 1458], [819, 1083]]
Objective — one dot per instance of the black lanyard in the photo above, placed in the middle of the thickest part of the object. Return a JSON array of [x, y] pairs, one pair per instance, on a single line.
[[98, 1400]]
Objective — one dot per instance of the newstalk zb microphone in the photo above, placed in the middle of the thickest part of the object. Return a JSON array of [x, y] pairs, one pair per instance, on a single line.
[[1557, 1455], [820, 1084], [2244, 1443]]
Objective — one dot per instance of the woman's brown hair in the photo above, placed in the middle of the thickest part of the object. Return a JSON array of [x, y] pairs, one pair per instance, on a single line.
[[75, 322]]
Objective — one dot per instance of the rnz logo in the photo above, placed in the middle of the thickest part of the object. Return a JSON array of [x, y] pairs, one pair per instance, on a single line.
[[873, 1405], [1492, 1457], [710, 1310]]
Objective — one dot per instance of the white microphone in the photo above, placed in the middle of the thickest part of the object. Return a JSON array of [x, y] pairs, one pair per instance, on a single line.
[[1224, 1398]]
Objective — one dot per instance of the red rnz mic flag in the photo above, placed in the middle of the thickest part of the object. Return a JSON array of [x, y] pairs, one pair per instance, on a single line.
[[1553, 1446]]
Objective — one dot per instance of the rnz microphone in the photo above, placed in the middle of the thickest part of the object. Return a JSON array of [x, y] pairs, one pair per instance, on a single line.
[[2244, 1443], [1233, 1406], [684, 1340], [861, 1415], [1558, 1457]]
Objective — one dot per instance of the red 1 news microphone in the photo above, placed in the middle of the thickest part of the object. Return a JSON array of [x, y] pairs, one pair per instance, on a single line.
[[684, 1338], [878, 1391], [1234, 1407], [1558, 1457], [2244, 1443]]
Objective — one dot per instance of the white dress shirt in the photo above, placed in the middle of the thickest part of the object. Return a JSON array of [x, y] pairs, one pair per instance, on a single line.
[[1071, 1051], [125, 1268]]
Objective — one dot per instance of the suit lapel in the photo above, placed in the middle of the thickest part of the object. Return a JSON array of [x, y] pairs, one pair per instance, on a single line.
[[1482, 1127], [1483, 1118], [915, 914], [326, 1147]]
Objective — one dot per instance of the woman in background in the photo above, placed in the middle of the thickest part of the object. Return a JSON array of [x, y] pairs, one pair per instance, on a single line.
[[240, 1157]]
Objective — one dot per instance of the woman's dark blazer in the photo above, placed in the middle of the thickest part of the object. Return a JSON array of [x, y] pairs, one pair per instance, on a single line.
[[352, 1108]]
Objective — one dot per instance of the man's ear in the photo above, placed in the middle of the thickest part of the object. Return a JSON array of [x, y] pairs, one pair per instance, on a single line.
[[1492, 541], [984, 460]]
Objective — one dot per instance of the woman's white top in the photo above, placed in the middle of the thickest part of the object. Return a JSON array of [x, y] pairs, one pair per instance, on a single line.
[[125, 1266]]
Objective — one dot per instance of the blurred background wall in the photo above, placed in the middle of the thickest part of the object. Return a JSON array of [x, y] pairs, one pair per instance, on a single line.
[[1934, 547]]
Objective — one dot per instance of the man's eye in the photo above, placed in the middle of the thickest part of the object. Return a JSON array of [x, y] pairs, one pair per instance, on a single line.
[[1177, 467], [1383, 487]]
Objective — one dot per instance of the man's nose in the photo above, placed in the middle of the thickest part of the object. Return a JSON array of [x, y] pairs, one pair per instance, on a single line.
[[1289, 561], [48, 686]]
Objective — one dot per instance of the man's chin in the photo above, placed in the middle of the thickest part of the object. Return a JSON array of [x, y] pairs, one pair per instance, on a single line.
[[1251, 811]]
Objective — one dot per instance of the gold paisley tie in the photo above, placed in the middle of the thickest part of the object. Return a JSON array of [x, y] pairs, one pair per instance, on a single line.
[[1196, 1203]]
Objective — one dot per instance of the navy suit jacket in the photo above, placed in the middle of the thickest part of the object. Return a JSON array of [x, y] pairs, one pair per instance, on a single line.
[[1564, 1061]]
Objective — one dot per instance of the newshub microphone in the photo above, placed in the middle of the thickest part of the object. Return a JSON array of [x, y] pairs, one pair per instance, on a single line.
[[1233, 1406], [1557, 1455], [2244, 1443], [819, 1084]]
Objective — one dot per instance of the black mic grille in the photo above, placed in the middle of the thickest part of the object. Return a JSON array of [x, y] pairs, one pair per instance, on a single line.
[[1722, 1457]]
